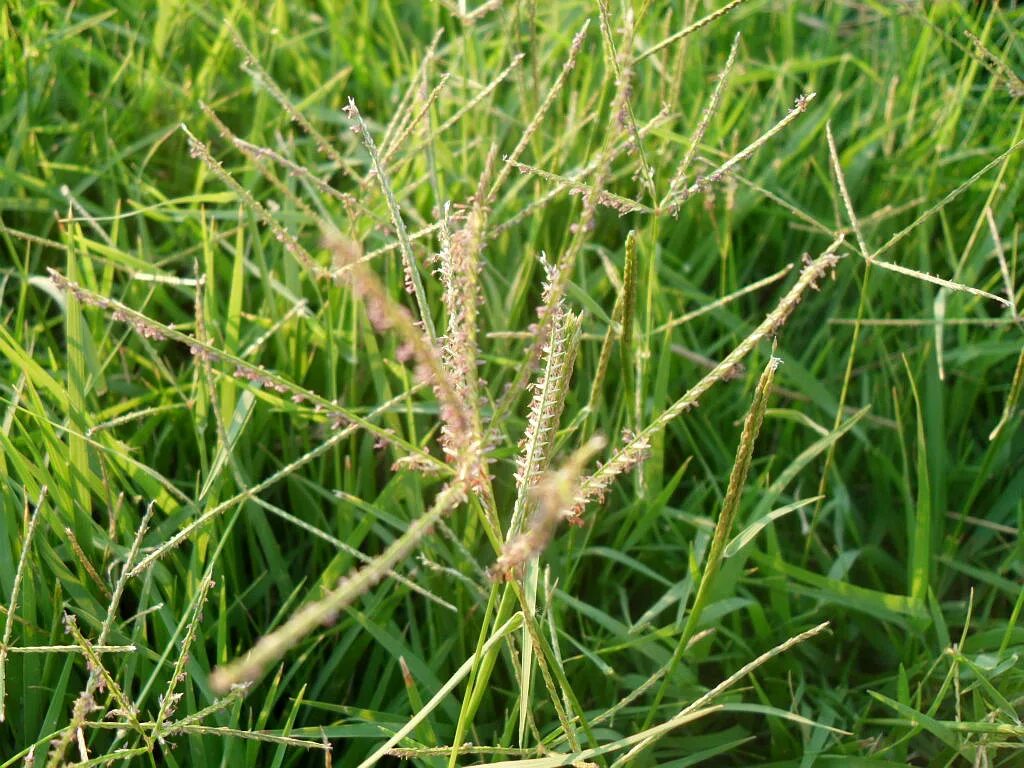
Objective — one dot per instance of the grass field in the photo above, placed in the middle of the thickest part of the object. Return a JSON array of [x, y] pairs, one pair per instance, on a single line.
[[578, 383]]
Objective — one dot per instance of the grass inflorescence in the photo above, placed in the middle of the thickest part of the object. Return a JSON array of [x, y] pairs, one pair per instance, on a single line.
[[615, 383]]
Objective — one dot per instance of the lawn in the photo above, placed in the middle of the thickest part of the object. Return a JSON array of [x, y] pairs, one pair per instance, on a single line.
[[583, 383]]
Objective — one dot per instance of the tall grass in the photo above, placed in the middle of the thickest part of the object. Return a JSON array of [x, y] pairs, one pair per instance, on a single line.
[[513, 384]]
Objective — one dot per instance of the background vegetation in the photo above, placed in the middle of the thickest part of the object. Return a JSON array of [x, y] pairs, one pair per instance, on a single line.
[[160, 511]]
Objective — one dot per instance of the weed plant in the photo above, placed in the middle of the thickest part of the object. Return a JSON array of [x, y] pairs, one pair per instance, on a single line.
[[522, 384]]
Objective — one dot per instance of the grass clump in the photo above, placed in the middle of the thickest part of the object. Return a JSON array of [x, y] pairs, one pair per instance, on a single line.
[[381, 382]]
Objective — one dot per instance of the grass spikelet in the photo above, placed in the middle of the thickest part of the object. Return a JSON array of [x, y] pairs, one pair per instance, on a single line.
[[855, 225], [263, 157], [260, 377], [403, 120], [497, 637], [622, 317], [483, 94], [169, 698], [574, 181], [85, 703], [272, 647], [1004, 268], [459, 265], [125, 708], [251, 66], [1010, 80], [622, 205], [621, 62], [549, 99], [931, 211], [422, 460], [84, 561], [425, 102], [198, 149], [461, 442], [549, 392], [1012, 398], [679, 178], [628, 311], [635, 447], [705, 182], [703, 701], [711, 306], [551, 494], [731, 503]]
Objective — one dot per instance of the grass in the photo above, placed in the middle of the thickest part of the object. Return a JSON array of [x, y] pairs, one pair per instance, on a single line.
[[572, 383]]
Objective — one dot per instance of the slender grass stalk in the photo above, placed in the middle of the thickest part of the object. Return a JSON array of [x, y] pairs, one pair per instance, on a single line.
[[83, 560], [932, 210], [844, 390], [472, 103], [412, 270], [726, 519], [711, 306], [621, 325], [643, 740], [920, 523], [690, 29], [940, 281], [604, 198], [413, 753], [484, 658], [248, 493], [1012, 398], [1004, 268], [97, 673], [238, 733], [40, 649], [422, 109], [718, 690], [628, 318], [509, 626], [604, 357], [401, 116], [573, 182], [263, 157], [12, 603]]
